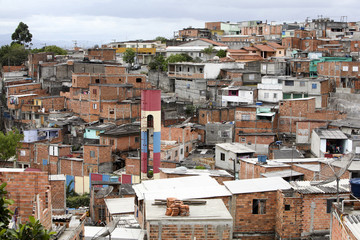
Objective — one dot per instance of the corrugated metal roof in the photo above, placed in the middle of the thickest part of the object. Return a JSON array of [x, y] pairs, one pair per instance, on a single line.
[[353, 223], [331, 134], [257, 185], [120, 205], [285, 173], [306, 187], [235, 147]]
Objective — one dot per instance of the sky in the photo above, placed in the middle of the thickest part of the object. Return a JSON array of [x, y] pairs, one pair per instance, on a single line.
[[103, 21]]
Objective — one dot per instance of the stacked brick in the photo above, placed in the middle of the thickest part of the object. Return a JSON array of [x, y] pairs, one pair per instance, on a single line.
[[176, 207]]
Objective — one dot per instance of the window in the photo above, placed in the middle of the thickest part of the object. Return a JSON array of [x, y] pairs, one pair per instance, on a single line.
[[188, 69], [337, 67], [112, 142], [138, 79], [321, 67], [53, 151], [287, 207], [302, 84], [176, 153], [259, 206], [94, 106], [137, 139], [222, 156], [150, 121], [345, 68], [251, 76], [22, 153], [245, 117], [355, 69], [329, 203], [47, 199], [307, 44], [201, 70], [243, 139], [120, 80], [92, 154], [279, 52], [187, 149], [94, 91], [111, 111], [181, 151], [289, 83], [275, 95], [44, 162], [314, 86], [266, 95], [97, 80]]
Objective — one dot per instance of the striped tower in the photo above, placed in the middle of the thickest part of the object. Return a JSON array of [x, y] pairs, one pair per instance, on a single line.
[[150, 125]]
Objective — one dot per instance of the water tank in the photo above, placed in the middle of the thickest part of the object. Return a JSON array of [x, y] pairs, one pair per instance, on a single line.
[[259, 103], [355, 187], [262, 158]]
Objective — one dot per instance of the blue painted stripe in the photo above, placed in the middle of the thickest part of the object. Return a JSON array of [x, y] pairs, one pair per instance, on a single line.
[[157, 142], [144, 142]]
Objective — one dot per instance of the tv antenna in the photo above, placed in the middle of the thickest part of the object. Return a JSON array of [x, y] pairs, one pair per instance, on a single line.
[[104, 192], [345, 162], [107, 230]]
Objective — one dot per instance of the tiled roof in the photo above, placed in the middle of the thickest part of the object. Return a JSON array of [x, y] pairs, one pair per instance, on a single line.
[[250, 48], [274, 45], [213, 42], [264, 48]]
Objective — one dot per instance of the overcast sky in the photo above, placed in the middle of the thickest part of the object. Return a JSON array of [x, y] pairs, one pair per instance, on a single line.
[[102, 21]]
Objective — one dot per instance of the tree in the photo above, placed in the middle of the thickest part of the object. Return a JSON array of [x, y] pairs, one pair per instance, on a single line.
[[9, 143], [183, 57], [22, 34], [5, 212], [158, 63], [162, 39], [129, 56], [208, 51], [221, 53], [52, 48], [13, 55]]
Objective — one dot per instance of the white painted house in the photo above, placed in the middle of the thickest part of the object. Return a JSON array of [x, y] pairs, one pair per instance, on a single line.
[[327, 142], [237, 95], [270, 89]]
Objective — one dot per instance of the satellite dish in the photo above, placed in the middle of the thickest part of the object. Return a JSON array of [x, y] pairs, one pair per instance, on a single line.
[[346, 160], [107, 230], [104, 192]]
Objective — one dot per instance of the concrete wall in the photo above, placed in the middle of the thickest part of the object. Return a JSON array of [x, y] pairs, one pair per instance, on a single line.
[[219, 133], [164, 82], [191, 90]]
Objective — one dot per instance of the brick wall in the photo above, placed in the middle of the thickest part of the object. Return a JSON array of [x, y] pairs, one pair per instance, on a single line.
[[216, 115], [23, 187], [71, 167], [58, 196], [122, 143]]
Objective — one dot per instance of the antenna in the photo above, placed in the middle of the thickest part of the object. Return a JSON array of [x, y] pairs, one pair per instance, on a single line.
[[104, 192], [75, 43], [107, 230], [346, 160]]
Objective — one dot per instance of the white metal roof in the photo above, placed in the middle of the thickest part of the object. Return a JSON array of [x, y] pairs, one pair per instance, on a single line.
[[311, 167], [353, 223], [307, 187], [117, 234], [235, 147], [120, 205], [12, 169], [330, 134], [186, 171], [257, 185], [193, 187], [58, 177], [284, 173]]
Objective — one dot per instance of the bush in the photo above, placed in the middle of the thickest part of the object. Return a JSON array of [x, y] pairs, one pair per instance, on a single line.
[[200, 167], [78, 201]]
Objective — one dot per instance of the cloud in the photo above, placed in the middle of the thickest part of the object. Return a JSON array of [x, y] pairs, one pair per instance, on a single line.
[[104, 20]]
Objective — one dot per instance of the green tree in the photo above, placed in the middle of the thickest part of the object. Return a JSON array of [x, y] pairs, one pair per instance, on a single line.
[[22, 34], [9, 143], [183, 57], [13, 55], [221, 53], [208, 51], [52, 48], [162, 39], [129, 55], [5, 213], [158, 63]]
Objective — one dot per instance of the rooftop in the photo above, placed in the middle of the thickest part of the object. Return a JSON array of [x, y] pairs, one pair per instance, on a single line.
[[193, 187], [308, 187], [284, 173], [330, 133], [257, 185], [197, 172], [58, 177], [120, 205], [235, 147], [310, 167], [214, 209]]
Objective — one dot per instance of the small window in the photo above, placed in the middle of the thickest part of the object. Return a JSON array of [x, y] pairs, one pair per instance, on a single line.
[[201, 70], [222, 156], [187, 149], [337, 67], [137, 139], [44, 162], [120, 80], [355, 69], [259, 206], [112, 142], [243, 139], [266, 95], [302, 84], [94, 91], [275, 95], [329, 203], [176, 153], [289, 83], [181, 151], [111, 111], [245, 117], [22, 153], [345, 68], [138, 79], [97, 80], [92, 154], [321, 67], [94, 106], [279, 52], [314, 86], [287, 207]]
